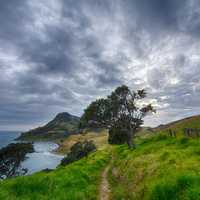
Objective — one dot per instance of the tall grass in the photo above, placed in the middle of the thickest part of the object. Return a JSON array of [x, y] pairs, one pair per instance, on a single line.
[[160, 168], [77, 181], [181, 187]]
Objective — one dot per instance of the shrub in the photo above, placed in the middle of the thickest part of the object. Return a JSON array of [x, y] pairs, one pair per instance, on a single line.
[[117, 135], [78, 151]]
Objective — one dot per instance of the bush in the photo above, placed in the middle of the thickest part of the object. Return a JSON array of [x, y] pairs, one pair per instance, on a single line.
[[117, 135], [78, 151]]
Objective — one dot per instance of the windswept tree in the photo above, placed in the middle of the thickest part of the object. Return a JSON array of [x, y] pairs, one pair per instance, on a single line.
[[11, 158], [120, 109]]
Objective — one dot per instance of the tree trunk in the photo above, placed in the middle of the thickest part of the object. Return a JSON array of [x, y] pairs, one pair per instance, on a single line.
[[130, 139]]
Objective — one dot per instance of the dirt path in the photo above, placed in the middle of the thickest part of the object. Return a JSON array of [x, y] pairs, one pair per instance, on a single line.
[[104, 187]]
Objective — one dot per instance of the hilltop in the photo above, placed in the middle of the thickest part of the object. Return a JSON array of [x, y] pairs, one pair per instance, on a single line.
[[180, 125], [61, 126]]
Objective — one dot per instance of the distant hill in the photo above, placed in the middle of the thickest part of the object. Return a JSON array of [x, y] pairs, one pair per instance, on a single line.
[[159, 168], [179, 125], [61, 126]]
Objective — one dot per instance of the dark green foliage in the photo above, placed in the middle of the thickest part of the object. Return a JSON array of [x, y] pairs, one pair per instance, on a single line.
[[78, 151], [96, 114], [117, 135], [118, 108], [178, 189], [184, 141], [11, 157]]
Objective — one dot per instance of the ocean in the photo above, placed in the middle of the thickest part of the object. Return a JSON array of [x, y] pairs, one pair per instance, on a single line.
[[42, 158], [7, 137]]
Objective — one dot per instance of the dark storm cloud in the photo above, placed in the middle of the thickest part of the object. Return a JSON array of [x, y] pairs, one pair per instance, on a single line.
[[60, 55], [159, 12], [12, 17]]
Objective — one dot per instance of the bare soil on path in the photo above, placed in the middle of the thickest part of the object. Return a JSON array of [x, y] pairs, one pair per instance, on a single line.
[[104, 187]]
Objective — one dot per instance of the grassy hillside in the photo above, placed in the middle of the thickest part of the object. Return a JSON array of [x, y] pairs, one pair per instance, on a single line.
[[99, 138], [61, 126], [178, 126], [160, 168], [77, 181]]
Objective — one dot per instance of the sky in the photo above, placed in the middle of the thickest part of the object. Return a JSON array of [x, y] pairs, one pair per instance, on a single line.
[[59, 55]]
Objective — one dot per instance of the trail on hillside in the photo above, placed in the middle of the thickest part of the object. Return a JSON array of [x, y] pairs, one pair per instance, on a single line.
[[105, 187]]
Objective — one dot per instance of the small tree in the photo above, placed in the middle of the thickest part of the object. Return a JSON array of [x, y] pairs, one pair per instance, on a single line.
[[118, 109], [11, 157], [78, 151]]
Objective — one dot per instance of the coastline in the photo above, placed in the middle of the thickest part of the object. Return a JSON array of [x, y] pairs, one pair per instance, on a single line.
[[56, 141], [46, 153], [43, 158]]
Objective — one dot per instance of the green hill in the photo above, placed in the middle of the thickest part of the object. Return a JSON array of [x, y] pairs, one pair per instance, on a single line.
[[160, 168], [61, 126], [77, 181], [180, 125]]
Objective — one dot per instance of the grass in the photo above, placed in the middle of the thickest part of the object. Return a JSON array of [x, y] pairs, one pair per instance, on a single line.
[[179, 126], [161, 168], [99, 139], [77, 181]]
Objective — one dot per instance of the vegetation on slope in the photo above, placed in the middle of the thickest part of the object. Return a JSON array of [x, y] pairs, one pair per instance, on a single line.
[[61, 126], [120, 110], [161, 168], [180, 125], [99, 137], [77, 181], [78, 151]]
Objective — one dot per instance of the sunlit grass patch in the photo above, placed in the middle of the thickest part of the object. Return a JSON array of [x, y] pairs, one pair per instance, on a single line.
[[159, 168], [79, 180]]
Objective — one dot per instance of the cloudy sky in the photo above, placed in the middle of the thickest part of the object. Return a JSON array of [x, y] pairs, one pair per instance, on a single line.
[[59, 55]]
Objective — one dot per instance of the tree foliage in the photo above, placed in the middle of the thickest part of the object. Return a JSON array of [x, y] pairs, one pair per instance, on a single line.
[[123, 108], [11, 158], [78, 151], [117, 135]]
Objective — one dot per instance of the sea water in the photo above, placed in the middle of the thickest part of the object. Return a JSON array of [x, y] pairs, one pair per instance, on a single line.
[[42, 158]]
